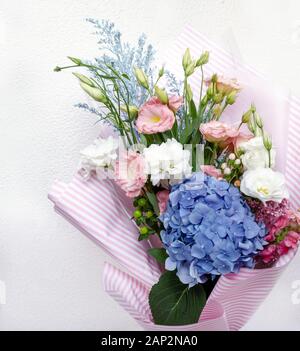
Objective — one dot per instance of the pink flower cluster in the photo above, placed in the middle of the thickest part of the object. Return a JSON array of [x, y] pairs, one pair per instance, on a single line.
[[283, 230]]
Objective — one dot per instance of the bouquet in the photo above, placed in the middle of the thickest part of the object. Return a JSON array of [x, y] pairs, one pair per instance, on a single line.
[[190, 204]]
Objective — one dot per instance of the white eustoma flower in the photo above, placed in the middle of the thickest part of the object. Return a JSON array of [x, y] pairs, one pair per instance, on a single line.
[[167, 161], [264, 184], [255, 154], [101, 154]]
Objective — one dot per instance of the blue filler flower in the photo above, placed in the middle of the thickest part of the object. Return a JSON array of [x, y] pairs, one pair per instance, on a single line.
[[209, 230]]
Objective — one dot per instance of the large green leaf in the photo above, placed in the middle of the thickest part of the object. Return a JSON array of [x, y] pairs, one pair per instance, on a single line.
[[159, 254], [174, 303]]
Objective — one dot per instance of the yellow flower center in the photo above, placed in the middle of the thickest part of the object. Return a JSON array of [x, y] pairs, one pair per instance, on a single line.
[[263, 190], [155, 119]]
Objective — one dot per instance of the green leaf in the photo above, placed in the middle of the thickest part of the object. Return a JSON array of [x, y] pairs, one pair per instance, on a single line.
[[187, 132], [153, 201], [144, 237], [159, 254], [125, 76], [173, 303], [193, 110], [143, 140]]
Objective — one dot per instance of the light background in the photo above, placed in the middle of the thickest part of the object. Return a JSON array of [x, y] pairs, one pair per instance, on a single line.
[[52, 272]]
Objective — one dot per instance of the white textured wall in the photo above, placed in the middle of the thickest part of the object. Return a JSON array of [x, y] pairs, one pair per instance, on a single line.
[[53, 273]]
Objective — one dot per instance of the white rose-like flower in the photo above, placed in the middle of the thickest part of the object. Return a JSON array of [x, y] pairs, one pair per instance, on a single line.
[[101, 154], [255, 154], [264, 184], [257, 159], [167, 161], [252, 144]]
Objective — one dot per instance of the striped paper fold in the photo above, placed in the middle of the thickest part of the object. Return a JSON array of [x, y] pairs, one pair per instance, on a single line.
[[100, 211]]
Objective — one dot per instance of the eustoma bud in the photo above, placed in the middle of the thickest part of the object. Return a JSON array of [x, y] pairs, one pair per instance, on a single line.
[[93, 92], [203, 60], [77, 61], [246, 116], [133, 110], [161, 72], [84, 79], [231, 98], [141, 77], [162, 95], [190, 69], [187, 59], [258, 121], [267, 142]]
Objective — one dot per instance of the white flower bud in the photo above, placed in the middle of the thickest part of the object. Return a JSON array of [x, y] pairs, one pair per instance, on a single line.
[[223, 165], [237, 162], [232, 157], [227, 171]]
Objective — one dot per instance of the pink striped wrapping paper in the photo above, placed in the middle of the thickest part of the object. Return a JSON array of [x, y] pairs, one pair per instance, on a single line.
[[92, 205], [99, 210]]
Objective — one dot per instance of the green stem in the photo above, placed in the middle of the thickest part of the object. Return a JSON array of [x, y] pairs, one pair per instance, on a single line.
[[201, 89]]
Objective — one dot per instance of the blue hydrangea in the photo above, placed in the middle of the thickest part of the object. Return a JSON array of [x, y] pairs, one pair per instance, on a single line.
[[209, 230]]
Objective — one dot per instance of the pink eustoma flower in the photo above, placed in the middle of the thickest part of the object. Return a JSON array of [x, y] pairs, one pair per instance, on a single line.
[[154, 117], [130, 173], [218, 132], [175, 102]]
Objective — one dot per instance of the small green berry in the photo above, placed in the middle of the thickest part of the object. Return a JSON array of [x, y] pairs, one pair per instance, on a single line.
[[142, 202], [137, 214], [149, 214], [144, 230]]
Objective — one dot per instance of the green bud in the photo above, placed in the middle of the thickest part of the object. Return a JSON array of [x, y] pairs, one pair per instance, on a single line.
[[252, 126], [231, 98], [190, 69], [144, 230], [210, 91], [258, 121], [214, 78], [142, 202], [93, 92], [187, 59], [57, 69], [161, 94], [217, 111], [133, 110], [84, 79], [203, 60], [204, 100], [149, 214], [189, 93], [75, 60], [247, 116], [218, 98], [141, 77], [137, 214], [161, 72], [267, 142]]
